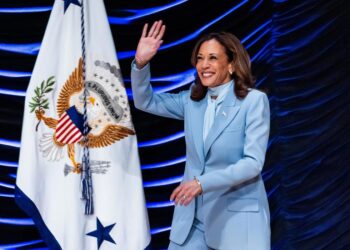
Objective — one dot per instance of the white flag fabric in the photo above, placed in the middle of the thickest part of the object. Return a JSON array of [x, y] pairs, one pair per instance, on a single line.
[[48, 183]]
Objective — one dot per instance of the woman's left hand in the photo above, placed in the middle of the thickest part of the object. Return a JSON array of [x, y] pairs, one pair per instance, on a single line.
[[186, 192]]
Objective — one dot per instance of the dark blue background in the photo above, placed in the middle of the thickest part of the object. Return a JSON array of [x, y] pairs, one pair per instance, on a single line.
[[300, 52]]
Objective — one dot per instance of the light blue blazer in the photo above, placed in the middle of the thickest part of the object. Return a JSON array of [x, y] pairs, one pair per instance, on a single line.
[[228, 164]]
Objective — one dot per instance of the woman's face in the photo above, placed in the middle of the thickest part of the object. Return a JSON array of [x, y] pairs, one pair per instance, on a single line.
[[212, 65]]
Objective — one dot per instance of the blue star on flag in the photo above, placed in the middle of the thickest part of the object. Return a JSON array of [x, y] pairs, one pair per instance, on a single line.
[[68, 2], [102, 233]]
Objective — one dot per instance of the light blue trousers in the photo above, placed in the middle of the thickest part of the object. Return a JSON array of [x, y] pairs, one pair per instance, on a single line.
[[194, 241]]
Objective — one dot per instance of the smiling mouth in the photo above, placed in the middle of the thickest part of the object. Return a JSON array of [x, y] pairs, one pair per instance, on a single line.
[[207, 74]]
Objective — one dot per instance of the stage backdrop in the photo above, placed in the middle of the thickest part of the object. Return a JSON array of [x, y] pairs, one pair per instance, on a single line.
[[300, 53]]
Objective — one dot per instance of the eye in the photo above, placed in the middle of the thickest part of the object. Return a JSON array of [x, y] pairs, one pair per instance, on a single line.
[[199, 58], [213, 58]]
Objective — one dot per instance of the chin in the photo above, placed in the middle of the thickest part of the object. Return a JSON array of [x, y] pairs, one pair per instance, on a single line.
[[210, 84]]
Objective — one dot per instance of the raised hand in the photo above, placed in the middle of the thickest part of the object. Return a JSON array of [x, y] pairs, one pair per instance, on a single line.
[[149, 43]]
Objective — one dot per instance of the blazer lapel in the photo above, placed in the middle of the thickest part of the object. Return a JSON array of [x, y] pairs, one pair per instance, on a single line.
[[227, 113], [196, 125]]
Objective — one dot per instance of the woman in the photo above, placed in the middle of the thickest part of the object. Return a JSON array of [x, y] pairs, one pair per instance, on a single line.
[[221, 202]]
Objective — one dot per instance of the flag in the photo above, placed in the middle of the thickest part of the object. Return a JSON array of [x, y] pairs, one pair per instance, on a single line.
[[77, 71]]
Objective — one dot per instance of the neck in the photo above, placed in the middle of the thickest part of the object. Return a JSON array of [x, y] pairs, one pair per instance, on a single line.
[[215, 91]]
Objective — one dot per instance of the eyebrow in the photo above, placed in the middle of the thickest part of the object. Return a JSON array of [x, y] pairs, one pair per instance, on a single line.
[[211, 54]]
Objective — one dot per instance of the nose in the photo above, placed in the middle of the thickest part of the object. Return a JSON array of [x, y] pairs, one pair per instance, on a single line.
[[205, 64]]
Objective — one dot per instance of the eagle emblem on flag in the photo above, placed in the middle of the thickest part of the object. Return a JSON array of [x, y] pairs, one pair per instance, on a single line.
[[107, 110]]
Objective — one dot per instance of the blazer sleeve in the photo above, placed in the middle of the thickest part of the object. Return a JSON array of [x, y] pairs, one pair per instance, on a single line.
[[162, 104], [256, 138]]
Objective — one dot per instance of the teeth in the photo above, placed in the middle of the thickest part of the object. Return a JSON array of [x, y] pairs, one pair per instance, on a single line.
[[207, 74]]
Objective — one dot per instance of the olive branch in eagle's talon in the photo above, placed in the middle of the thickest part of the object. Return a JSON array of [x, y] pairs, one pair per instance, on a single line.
[[39, 103]]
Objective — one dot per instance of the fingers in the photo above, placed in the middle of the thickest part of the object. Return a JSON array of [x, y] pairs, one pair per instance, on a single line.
[[185, 193], [180, 198], [178, 194], [189, 199], [144, 31], [157, 30], [161, 33], [175, 193], [185, 199], [153, 28]]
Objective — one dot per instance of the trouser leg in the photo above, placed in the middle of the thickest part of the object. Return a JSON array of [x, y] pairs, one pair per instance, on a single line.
[[194, 241]]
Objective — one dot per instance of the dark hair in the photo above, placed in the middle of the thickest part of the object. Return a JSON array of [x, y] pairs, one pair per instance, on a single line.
[[236, 54]]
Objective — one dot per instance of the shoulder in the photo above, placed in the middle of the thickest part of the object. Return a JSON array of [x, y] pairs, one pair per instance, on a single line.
[[254, 94], [254, 99]]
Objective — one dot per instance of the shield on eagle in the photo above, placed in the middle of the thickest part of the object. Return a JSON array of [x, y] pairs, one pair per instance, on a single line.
[[70, 127]]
